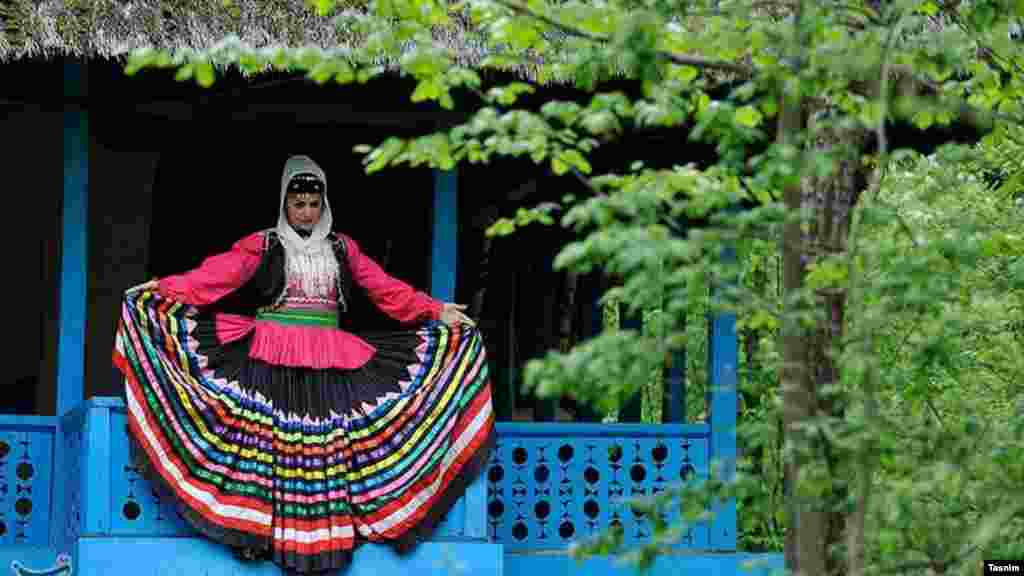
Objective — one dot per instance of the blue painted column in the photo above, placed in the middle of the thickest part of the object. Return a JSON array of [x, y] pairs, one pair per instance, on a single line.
[[73, 275], [74, 254], [723, 357], [444, 244], [443, 255]]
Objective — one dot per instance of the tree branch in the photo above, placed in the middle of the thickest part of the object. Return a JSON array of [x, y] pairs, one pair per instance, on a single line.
[[680, 59]]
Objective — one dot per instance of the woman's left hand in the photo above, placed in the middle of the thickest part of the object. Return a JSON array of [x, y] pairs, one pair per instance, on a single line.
[[452, 314]]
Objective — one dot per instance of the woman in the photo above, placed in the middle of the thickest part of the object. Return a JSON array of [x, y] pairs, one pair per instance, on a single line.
[[281, 434]]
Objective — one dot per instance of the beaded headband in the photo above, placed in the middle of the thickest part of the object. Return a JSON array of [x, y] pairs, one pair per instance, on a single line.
[[305, 183]]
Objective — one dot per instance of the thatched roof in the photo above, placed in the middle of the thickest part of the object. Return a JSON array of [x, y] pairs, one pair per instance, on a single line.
[[110, 29]]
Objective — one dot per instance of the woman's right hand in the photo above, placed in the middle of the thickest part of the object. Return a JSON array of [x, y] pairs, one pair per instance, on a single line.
[[150, 286]]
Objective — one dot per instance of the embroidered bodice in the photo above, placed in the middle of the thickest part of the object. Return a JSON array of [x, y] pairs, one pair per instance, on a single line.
[[312, 282]]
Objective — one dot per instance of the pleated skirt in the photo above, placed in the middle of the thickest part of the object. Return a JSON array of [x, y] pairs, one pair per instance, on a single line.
[[301, 465]]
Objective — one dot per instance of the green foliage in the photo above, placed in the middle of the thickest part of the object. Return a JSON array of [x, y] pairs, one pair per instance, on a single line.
[[948, 320], [930, 270]]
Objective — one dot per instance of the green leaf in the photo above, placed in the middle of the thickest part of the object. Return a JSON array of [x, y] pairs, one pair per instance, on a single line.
[[204, 73], [1017, 273], [827, 274], [508, 95], [923, 119], [566, 112], [345, 74], [984, 15], [748, 116], [558, 166], [322, 72], [428, 89], [324, 7], [703, 102], [184, 73], [139, 59], [684, 74], [501, 227], [574, 158]]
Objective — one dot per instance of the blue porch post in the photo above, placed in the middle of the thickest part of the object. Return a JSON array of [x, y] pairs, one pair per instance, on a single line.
[[466, 516], [723, 356], [444, 244], [73, 275], [74, 255]]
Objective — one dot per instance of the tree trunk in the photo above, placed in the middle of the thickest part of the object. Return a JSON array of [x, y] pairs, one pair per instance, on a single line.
[[805, 550], [817, 530], [831, 200]]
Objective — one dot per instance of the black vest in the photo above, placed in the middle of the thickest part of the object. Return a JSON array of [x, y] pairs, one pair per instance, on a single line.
[[266, 288]]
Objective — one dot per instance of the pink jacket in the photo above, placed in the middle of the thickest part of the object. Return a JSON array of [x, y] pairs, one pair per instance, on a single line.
[[300, 346]]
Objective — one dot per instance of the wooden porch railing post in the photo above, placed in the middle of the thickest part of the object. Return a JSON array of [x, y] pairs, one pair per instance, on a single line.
[[73, 270], [723, 357]]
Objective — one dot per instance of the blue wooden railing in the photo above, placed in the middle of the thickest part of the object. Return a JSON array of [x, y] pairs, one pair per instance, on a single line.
[[551, 484], [26, 479], [546, 485]]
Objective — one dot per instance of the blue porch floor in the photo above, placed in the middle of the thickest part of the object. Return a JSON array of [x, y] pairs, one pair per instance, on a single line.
[[196, 557]]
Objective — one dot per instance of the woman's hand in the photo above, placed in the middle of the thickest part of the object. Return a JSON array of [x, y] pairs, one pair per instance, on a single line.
[[452, 314], [150, 286]]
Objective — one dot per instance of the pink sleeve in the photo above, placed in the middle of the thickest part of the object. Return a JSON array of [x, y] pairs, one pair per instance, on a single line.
[[396, 298], [217, 276]]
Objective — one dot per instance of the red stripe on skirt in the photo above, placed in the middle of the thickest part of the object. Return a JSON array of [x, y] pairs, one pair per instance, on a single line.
[[240, 477], [201, 507], [456, 468]]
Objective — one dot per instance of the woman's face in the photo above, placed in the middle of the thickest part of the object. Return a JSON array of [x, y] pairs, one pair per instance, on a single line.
[[304, 210]]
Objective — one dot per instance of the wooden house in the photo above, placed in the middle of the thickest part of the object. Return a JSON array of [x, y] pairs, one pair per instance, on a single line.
[[159, 173]]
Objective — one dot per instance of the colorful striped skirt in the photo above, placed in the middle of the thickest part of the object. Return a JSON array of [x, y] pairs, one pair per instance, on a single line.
[[302, 465]]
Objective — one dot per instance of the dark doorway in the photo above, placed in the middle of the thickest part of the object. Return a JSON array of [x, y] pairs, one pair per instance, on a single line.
[[30, 147]]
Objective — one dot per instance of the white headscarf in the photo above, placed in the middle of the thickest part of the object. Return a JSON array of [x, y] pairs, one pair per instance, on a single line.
[[317, 240]]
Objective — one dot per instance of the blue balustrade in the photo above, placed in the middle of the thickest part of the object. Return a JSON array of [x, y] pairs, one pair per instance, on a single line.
[[546, 486], [549, 485], [26, 469]]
